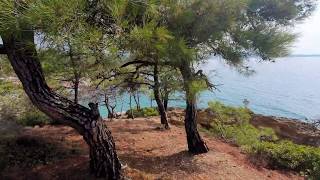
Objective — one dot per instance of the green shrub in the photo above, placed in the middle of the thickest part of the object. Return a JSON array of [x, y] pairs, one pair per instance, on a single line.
[[143, 112], [33, 118], [287, 155], [148, 111], [233, 124]]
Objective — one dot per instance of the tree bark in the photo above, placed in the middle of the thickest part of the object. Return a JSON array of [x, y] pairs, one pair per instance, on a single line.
[[137, 101], [111, 114], [76, 89], [76, 74], [195, 143], [130, 104], [166, 100], [157, 97], [23, 58]]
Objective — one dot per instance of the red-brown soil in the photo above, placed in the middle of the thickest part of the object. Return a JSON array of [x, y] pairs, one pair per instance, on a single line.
[[147, 153]]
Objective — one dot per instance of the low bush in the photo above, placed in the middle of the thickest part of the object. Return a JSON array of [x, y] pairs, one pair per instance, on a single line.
[[148, 111], [233, 125], [32, 118], [143, 112], [287, 155]]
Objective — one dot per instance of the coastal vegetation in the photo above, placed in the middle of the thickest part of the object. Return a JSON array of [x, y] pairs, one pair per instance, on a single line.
[[233, 125], [69, 56]]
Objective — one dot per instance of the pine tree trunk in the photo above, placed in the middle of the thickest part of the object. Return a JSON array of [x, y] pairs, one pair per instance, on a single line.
[[130, 105], [76, 74], [195, 143], [103, 157], [76, 90], [166, 101], [156, 91], [23, 58], [136, 100], [110, 111]]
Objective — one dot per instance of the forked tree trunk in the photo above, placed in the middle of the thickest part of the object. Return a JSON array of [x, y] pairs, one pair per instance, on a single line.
[[157, 97], [23, 58], [195, 143]]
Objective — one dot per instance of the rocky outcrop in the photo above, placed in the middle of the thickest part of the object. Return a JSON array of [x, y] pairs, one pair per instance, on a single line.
[[297, 131], [176, 117]]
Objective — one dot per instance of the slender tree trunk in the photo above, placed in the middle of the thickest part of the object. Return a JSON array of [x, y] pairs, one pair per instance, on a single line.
[[157, 97], [121, 105], [130, 104], [166, 101], [76, 73], [22, 54], [136, 100], [110, 112], [195, 143], [76, 90], [114, 115]]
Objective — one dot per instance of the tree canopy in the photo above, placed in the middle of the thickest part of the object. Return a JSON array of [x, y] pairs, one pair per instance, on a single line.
[[98, 39]]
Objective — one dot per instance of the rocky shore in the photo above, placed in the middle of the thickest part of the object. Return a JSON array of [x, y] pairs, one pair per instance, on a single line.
[[297, 131]]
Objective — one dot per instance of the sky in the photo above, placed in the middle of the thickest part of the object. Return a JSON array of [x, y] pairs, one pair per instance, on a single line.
[[308, 41]]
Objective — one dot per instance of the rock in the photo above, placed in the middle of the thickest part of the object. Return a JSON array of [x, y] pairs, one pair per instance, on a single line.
[[176, 120], [297, 131]]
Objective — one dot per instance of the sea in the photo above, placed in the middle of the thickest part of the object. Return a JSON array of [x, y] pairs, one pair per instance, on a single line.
[[288, 87]]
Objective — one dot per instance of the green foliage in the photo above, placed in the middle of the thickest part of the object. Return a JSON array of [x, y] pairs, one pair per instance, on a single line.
[[148, 111], [8, 22], [143, 112], [33, 117], [229, 113], [15, 106], [6, 87], [233, 124], [287, 155], [197, 86]]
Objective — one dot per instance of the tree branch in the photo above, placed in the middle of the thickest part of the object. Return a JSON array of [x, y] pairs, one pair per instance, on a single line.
[[210, 85], [144, 63]]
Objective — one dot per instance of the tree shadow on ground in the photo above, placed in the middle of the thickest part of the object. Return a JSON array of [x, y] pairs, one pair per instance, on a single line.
[[27, 152]]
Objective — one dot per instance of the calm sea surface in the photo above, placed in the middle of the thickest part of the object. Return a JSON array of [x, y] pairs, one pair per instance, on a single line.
[[290, 87]]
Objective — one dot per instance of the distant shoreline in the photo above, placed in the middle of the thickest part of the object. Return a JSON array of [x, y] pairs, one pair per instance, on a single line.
[[304, 55]]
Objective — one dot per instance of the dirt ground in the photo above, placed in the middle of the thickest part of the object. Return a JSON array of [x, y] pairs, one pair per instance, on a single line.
[[146, 153]]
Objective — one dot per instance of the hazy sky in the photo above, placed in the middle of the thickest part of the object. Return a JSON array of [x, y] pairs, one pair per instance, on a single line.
[[309, 35]]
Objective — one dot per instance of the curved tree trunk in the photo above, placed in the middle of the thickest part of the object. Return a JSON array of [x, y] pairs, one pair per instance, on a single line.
[[195, 143], [157, 97], [23, 58]]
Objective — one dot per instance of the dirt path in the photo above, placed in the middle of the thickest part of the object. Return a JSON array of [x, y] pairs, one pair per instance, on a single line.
[[147, 153]]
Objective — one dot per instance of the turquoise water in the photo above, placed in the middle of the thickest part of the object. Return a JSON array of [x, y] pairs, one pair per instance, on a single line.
[[290, 87]]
